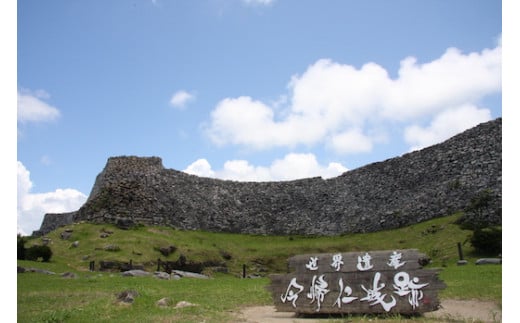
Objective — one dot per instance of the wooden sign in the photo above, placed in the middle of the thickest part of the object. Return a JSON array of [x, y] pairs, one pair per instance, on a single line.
[[357, 282]]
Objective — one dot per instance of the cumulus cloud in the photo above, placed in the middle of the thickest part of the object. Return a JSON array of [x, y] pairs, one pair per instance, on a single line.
[[33, 108], [181, 98], [351, 141], [31, 207], [292, 166], [244, 121], [445, 125], [345, 107], [200, 167]]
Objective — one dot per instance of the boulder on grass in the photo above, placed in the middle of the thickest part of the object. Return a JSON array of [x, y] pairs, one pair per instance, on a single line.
[[488, 261], [127, 296], [135, 273]]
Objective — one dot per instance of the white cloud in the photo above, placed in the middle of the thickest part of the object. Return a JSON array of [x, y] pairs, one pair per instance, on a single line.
[[241, 170], [200, 167], [244, 121], [445, 125], [292, 166], [181, 98], [452, 80], [351, 141], [31, 207], [345, 107], [32, 108], [295, 166]]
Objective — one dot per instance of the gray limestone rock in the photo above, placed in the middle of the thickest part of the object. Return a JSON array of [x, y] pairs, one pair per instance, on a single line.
[[433, 182]]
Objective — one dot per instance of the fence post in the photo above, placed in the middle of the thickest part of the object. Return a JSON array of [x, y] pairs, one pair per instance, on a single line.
[[244, 271], [461, 256], [158, 264]]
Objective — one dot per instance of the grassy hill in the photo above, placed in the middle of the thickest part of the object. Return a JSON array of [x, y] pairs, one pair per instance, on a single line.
[[50, 298], [437, 238]]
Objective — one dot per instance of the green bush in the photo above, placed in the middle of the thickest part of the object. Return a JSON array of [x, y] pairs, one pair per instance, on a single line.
[[20, 244], [35, 252], [487, 240], [481, 212]]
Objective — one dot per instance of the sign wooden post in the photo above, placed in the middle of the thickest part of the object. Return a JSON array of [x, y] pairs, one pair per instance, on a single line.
[[390, 281]]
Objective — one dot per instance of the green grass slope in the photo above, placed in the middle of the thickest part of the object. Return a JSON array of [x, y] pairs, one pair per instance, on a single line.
[[91, 296]]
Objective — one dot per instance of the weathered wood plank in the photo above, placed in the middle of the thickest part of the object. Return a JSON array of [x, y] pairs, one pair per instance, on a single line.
[[382, 286], [408, 259]]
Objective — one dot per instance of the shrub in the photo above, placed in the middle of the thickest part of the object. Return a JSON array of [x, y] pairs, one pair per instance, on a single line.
[[20, 244], [37, 251], [480, 213], [487, 240]]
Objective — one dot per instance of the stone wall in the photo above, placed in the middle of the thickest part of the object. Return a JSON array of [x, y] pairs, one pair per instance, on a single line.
[[52, 221], [433, 182]]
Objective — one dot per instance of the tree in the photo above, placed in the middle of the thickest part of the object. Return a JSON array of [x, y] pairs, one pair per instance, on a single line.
[[20, 247], [38, 251], [487, 240], [487, 235]]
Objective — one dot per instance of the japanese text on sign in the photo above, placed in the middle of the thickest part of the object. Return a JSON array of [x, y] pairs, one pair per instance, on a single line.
[[344, 282]]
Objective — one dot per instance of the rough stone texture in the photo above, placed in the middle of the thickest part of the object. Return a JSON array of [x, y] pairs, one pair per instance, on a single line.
[[488, 261], [127, 296], [52, 221], [164, 302], [161, 275], [418, 186], [135, 273]]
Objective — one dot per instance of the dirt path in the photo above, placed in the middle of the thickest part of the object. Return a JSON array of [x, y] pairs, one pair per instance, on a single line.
[[451, 310]]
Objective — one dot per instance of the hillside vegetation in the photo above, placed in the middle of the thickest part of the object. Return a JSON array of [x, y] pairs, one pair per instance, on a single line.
[[91, 296], [436, 238]]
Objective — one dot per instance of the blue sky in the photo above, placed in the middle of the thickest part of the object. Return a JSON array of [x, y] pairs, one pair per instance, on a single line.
[[243, 90]]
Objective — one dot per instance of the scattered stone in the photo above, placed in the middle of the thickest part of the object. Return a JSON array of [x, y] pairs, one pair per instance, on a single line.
[[38, 270], [187, 274], [135, 273], [462, 262], [161, 275], [176, 277], [65, 235], [166, 251], [127, 296], [75, 244], [46, 241], [182, 304], [69, 275], [164, 302], [104, 235], [103, 230], [254, 276], [488, 261]]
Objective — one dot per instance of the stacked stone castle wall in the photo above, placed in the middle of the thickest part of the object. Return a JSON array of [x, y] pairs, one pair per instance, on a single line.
[[418, 186]]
